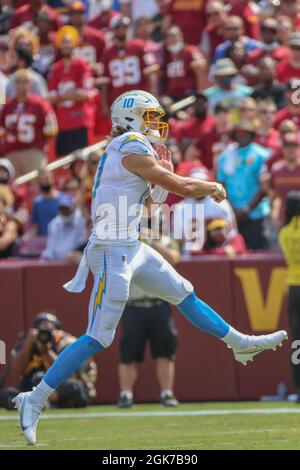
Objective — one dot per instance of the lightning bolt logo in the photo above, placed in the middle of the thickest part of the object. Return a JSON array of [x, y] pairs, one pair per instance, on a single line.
[[101, 289], [132, 138]]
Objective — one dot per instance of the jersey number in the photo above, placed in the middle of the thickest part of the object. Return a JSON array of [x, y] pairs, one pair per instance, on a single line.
[[23, 128], [125, 72]]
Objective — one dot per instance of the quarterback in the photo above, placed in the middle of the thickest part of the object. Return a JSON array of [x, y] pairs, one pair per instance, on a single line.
[[130, 169]]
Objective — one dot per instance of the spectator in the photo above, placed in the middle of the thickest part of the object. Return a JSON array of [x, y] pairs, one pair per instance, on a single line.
[[70, 88], [234, 31], [78, 167], [213, 33], [289, 239], [184, 66], [268, 86], [91, 41], [285, 177], [8, 226], [284, 128], [27, 124], [134, 9], [285, 29], [45, 206], [248, 111], [66, 231], [290, 9], [189, 17], [270, 46], [213, 140], [248, 11], [226, 91], [17, 195], [289, 67], [144, 320], [5, 59], [143, 29], [220, 240], [6, 12], [23, 61], [27, 14], [186, 131], [104, 16], [47, 52], [266, 135], [34, 354], [241, 168], [127, 54]]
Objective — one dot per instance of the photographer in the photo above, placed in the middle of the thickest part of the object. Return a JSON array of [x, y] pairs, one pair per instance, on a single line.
[[33, 356]]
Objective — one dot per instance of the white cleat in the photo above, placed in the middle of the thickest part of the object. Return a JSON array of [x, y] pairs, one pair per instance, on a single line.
[[29, 416], [259, 344]]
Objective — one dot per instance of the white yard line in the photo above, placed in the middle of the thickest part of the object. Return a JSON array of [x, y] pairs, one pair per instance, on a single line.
[[153, 414]]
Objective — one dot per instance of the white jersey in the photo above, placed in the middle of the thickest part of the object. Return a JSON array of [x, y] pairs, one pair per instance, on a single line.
[[118, 195]]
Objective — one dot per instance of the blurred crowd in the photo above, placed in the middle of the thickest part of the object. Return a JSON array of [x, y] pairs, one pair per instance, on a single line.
[[227, 72]]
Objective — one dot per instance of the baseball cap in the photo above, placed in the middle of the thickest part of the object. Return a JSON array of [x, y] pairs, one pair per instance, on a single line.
[[66, 200], [5, 163]]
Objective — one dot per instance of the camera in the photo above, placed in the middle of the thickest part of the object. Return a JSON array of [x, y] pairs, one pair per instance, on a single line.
[[44, 336]]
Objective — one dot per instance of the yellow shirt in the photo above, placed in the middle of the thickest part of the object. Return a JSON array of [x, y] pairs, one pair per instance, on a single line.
[[289, 239]]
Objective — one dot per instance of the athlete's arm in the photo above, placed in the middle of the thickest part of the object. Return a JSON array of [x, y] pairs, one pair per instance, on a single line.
[[148, 168]]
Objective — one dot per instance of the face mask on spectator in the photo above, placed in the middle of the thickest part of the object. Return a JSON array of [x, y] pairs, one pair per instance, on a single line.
[[175, 48], [225, 81], [269, 47], [45, 188]]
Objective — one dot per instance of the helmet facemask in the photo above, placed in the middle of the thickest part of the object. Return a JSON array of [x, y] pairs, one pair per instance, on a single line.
[[151, 124]]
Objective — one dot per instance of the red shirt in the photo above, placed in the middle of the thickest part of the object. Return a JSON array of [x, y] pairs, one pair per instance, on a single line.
[[180, 77], [102, 21], [27, 125], [272, 140], [283, 114], [283, 181], [91, 46], [26, 16], [189, 15], [278, 54], [190, 129], [65, 78], [285, 71], [250, 18], [126, 69], [210, 143]]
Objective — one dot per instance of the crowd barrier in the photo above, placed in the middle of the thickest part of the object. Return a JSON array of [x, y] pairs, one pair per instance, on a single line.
[[249, 291]]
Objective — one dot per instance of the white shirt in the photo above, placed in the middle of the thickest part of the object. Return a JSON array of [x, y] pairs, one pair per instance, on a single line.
[[140, 8], [64, 236]]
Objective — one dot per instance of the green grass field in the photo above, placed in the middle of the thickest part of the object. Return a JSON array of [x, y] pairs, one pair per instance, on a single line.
[[190, 426]]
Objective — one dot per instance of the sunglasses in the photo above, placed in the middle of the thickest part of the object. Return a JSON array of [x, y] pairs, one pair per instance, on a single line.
[[244, 110], [212, 13], [266, 111]]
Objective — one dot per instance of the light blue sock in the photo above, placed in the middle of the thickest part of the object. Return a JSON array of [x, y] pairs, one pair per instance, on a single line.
[[71, 359], [202, 316]]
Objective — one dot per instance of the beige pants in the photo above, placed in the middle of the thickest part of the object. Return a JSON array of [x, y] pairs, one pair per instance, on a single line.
[[28, 160]]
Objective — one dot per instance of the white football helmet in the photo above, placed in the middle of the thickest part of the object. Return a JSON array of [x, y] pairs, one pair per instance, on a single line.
[[140, 111]]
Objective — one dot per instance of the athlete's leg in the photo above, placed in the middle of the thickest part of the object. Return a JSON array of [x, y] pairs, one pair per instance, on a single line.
[[110, 292], [153, 274]]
